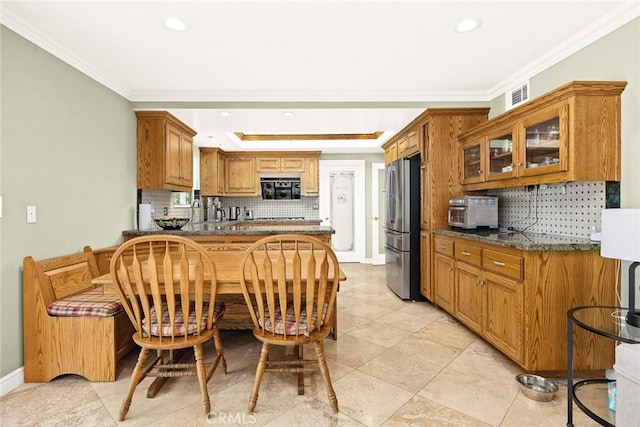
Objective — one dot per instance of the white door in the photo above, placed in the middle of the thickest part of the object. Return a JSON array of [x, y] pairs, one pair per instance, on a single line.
[[342, 200], [377, 214]]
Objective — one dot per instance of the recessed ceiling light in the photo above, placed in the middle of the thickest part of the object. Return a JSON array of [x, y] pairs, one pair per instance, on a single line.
[[288, 113], [176, 24], [468, 24], [225, 113]]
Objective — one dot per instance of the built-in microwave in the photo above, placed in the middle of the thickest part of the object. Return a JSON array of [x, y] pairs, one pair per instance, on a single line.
[[470, 212], [280, 188]]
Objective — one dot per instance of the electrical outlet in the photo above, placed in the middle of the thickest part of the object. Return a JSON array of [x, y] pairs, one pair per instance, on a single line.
[[31, 214]]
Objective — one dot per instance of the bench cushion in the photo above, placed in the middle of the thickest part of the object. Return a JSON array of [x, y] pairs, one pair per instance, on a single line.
[[88, 303]]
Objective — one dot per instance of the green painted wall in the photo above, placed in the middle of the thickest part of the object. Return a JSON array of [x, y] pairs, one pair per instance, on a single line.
[[68, 147]]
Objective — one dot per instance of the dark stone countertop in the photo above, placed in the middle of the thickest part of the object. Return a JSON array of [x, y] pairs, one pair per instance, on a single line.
[[239, 228], [524, 241]]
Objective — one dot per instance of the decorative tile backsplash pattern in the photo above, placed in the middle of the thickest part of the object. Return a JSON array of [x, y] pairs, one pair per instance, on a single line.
[[567, 209], [161, 199], [305, 207]]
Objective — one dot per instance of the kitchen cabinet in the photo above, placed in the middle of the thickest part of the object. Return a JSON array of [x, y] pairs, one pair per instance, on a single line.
[[211, 171], [409, 144], [164, 152], [268, 164], [569, 134], [235, 173], [280, 164], [489, 303], [443, 273], [425, 265], [310, 177], [390, 151], [517, 299], [240, 176]]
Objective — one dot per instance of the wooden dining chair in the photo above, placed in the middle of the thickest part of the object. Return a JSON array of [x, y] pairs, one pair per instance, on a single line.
[[289, 283], [172, 276]]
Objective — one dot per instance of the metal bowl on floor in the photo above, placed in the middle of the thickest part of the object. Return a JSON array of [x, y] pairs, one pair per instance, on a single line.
[[536, 387]]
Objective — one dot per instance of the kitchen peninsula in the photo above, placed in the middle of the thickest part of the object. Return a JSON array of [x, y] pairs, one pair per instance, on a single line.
[[230, 236], [240, 231]]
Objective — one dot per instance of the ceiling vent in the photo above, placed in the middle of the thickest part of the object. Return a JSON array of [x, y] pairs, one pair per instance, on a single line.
[[517, 95]]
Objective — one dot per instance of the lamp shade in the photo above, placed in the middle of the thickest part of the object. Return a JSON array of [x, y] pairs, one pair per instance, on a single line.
[[621, 234]]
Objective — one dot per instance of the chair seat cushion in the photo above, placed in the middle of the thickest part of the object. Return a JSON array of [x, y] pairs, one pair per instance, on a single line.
[[179, 328], [287, 324], [88, 303]]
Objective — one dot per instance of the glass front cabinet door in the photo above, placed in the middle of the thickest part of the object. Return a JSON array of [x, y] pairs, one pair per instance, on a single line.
[[472, 162], [544, 142], [500, 150]]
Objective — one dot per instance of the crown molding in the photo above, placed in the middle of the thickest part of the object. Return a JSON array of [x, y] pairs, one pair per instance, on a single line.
[[628, 11], [605, 25], [20, 27]]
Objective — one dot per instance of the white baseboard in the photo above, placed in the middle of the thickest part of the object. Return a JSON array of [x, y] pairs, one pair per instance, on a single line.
[[11, 381]]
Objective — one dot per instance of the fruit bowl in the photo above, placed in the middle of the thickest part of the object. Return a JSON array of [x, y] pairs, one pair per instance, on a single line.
[[171, 223]]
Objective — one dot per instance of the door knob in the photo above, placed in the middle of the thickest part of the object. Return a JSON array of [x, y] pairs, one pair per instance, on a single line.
[[375, 218]]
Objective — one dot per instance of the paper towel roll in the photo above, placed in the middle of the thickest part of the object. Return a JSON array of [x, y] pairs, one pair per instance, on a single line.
[[144, 216]]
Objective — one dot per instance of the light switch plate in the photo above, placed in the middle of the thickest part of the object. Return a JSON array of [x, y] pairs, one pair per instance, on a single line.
[[0, 206], [31, 214]]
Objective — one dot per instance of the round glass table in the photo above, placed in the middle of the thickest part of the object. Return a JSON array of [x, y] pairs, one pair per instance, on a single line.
[[591, 395]]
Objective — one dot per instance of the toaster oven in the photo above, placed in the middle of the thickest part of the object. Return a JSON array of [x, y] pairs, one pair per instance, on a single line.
[[470, 212]]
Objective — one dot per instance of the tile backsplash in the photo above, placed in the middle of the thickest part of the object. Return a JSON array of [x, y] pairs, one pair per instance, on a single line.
[[305, 207], [566, 209]]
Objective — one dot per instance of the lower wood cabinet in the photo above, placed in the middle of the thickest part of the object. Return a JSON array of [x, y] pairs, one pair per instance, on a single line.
[[425, 265], [518, 300], [443, 273]]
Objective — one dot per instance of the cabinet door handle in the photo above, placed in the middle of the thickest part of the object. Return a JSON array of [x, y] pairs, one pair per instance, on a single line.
[[441, 246], [501, 264], [465, 253]]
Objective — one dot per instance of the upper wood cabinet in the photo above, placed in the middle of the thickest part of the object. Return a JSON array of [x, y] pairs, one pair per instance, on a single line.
[[310, 177], [241, 177], [211, 171], [569, 134], [390, 151], [165, 152], [280, 163], [439, 181], [409, 144], [235, 173], [405, 144]]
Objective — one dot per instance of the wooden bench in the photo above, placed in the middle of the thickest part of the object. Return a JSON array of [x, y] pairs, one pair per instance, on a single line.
[[83, 342]]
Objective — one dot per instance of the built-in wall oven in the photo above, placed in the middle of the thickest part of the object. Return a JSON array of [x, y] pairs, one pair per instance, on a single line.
[[402, 230], [280, 188]]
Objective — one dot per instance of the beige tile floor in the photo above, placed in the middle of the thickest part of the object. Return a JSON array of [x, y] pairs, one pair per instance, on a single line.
[[395, 363]]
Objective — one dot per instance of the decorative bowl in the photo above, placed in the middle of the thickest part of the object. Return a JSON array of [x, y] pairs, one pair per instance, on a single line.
[[536, 387], [171, 223]]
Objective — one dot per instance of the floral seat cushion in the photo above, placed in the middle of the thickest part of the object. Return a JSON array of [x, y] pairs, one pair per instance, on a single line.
[[179, 329], [89, 303]]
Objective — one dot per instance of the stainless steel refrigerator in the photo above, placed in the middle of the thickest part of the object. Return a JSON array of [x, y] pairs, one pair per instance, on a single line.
[[402, 231]]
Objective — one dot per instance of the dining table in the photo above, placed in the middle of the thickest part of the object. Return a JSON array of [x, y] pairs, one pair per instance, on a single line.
[[228, 275]]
